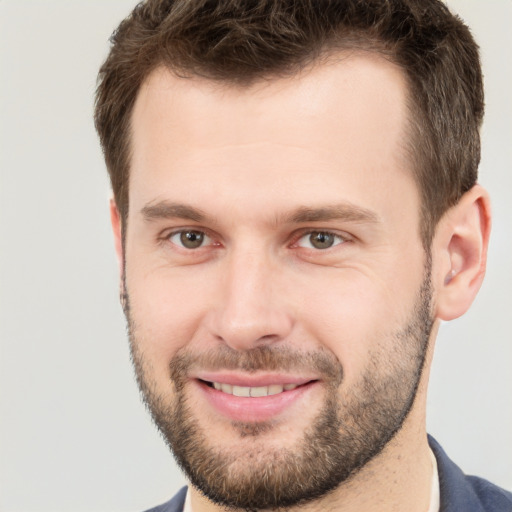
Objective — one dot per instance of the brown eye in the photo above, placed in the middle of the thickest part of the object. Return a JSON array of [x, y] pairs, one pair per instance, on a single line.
[[189, 239], [320, 240]]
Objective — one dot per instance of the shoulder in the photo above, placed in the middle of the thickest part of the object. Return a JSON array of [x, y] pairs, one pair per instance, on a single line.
[[460, 492], [492, 497], [175, 504]]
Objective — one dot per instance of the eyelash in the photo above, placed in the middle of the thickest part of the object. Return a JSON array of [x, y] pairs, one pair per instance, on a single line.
[[202, 233], [338, 239]]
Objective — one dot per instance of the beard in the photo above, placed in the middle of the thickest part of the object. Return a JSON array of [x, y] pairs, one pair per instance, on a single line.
[[352, 427]]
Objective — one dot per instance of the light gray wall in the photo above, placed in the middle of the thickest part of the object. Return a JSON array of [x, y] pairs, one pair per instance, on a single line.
[[73, 435]]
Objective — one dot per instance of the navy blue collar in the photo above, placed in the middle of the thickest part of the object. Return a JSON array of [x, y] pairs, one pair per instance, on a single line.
[[462, 493]]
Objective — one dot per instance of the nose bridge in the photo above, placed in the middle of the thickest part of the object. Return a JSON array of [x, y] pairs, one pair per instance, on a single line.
[[252, 310]]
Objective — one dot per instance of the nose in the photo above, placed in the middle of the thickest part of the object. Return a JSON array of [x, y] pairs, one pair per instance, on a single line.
[[252, 308]]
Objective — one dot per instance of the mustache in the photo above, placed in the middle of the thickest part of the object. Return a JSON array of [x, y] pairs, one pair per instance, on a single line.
[[261, 358]]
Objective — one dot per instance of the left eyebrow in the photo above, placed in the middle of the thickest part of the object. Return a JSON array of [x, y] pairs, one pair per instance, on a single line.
[[345, 212], [169, 210]]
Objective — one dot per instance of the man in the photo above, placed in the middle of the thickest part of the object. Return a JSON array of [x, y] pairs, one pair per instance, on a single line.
[[295, 211]]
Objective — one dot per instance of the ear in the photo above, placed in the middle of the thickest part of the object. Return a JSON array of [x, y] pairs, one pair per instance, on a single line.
[[460, 247], [115, 220]]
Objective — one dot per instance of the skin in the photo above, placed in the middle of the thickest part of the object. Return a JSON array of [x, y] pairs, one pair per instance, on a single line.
[[249, 159]]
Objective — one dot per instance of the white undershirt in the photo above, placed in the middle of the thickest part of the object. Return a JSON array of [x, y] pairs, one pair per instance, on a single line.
[[435, 497], [434, 491], [188, 506]]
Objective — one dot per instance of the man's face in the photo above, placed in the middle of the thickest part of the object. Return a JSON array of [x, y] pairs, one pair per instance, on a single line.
[[272, 249]]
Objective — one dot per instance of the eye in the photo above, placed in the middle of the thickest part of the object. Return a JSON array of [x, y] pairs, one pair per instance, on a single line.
[[320, 240], [190, 238]]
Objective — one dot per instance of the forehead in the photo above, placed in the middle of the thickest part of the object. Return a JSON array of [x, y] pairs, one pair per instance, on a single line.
[[352, 85], [343, 119]]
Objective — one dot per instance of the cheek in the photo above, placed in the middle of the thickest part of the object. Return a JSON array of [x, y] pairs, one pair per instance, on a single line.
[[356, 313], [165, 309]]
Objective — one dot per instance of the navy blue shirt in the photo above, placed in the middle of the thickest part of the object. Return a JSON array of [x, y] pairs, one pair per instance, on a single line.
[[458, 492]]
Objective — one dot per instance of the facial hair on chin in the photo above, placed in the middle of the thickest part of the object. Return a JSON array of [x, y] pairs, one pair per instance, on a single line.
[[350, 429]]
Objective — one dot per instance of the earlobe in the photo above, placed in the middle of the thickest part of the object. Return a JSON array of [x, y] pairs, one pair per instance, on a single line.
[[115, 220], [461, 243]]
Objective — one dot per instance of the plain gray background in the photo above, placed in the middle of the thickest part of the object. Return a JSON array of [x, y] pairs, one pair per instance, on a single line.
[[73, 434]]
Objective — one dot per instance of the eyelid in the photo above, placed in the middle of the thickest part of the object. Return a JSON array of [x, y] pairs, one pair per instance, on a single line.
[[344, 236], [166, 235]]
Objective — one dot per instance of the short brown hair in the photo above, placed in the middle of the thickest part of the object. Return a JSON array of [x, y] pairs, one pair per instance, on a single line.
[[242, 41]]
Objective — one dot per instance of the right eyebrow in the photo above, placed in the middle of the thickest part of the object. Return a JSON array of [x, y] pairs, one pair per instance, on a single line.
[[170, 210]]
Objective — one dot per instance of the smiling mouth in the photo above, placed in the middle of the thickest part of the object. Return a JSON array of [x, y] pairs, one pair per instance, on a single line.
[[253, 391]]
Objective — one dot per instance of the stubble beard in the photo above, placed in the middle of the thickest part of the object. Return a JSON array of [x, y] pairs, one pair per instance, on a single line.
[[350, 429]]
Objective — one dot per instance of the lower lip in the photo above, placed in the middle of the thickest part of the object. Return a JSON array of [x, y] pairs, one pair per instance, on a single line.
[[258, 409]]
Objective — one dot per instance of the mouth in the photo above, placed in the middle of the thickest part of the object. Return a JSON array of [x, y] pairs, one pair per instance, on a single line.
[[254, 399], [251, 391]]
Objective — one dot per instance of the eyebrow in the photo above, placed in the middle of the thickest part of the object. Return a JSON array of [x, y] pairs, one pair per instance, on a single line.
[[346, 212], [168, 210]]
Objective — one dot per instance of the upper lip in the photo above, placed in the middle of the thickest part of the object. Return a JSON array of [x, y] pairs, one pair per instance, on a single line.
[[252, 380]]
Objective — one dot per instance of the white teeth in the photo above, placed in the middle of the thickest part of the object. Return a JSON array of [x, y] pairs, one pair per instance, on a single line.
[[275, 389], [241, 391], [227, 388], [258, 391]]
